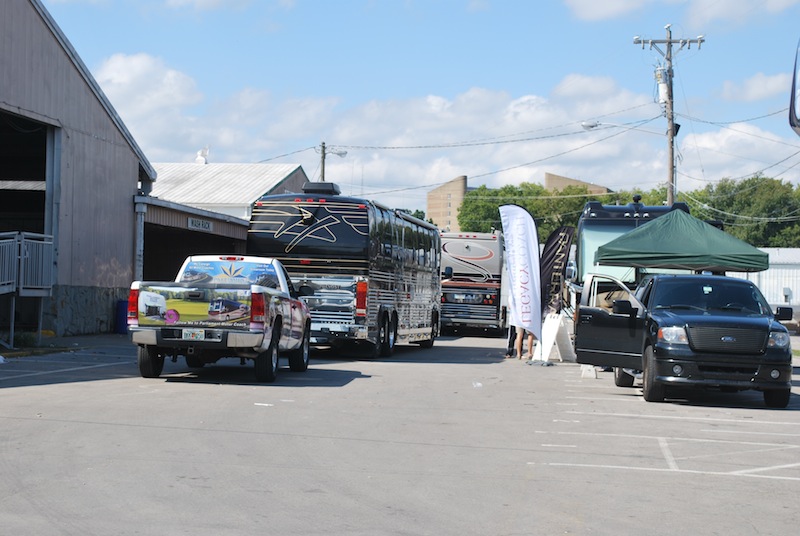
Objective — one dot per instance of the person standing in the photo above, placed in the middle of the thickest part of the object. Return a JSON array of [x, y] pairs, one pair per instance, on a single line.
[[511, 342], [518, 343]]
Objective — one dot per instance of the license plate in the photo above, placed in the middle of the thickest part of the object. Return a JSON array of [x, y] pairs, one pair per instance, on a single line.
[[194, 334]]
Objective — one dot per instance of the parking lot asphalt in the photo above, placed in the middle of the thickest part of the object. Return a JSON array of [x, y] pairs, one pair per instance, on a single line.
[[107, 340]]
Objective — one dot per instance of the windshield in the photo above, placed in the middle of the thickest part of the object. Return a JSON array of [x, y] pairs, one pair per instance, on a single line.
[[309, 229], [592, 237], [708, 295], [230, 272]]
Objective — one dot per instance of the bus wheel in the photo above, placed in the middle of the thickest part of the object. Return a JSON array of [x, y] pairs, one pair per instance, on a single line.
[[386, 336], [429, 343]]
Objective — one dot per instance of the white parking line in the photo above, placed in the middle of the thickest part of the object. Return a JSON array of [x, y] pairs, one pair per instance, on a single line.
[[658, 470], [665, 450], [686, 418], [59, 371]]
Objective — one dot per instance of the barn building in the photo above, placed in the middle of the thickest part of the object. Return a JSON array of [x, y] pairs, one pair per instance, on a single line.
[[80, 214]]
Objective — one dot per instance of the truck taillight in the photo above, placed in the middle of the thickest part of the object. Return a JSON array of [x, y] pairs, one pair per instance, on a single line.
[[258, 308], [361, 298], [133, 307]]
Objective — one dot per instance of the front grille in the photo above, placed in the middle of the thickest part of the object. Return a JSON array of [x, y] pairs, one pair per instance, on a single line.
[[729, 372], [469, 312], [332, 317], [727, 340]]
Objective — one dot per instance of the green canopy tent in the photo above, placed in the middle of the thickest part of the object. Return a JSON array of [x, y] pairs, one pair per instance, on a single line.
[[678, 240]]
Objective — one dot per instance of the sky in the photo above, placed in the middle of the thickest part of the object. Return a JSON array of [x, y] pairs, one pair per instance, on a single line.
[[419, 92]]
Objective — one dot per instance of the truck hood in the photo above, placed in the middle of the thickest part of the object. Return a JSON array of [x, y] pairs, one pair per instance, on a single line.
[[693, 318]]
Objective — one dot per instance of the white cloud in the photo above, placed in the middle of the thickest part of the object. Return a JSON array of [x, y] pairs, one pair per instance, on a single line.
[[757, 87], [701, 12], [593, 10], [404, 147], [697, 12]]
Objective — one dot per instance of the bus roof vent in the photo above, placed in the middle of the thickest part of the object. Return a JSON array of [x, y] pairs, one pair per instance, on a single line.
[[325, 188]]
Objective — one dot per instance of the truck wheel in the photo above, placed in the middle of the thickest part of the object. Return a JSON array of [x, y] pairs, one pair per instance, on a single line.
[[777, 398], [150, 360], [652, 391], [622, 378], [387, 337], [298, 359], [266, 366]]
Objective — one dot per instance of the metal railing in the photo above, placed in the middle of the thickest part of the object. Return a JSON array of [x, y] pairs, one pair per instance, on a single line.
[[9, 262], [26, 270]]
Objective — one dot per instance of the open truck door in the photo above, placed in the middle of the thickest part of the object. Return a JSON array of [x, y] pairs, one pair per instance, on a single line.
[[609, 324]]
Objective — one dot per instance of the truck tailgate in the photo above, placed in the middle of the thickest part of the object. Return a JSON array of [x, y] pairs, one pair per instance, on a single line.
[[191, 305]]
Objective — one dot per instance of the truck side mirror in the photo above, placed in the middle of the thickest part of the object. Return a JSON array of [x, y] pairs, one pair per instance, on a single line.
[[306, 290], [623, 307], [448, 272], [784, 313]]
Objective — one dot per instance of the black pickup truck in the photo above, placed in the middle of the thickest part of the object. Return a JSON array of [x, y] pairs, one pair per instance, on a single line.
[[686, 331]]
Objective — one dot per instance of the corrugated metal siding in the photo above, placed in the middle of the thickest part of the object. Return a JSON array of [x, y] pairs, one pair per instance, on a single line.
[[783, 273], [98, 170]]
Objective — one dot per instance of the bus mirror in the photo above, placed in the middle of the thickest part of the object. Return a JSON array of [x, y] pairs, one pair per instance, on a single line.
[[571, 271], [448, 272]]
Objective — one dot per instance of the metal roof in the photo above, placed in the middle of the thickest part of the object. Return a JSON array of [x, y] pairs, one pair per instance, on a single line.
[[219, 184]]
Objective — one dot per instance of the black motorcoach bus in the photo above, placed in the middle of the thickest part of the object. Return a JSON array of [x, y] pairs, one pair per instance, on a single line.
[[374, 271]]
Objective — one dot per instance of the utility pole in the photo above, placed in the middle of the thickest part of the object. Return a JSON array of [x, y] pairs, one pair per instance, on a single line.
[[664, 78], [323, 151], [322, 163]]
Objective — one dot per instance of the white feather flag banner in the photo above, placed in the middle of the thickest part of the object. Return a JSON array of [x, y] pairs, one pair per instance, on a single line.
[[522, 261]]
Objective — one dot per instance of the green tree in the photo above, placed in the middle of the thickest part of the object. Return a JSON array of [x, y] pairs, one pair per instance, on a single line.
[[759, 210]]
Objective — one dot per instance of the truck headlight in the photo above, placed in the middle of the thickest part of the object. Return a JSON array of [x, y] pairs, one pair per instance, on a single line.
[[778, 339], [673, 335]]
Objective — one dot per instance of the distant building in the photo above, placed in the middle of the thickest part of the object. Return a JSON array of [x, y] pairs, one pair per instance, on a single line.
[[444, 201], [557, 182]]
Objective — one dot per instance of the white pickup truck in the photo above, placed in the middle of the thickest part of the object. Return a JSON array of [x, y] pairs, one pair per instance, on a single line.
[[221, 306]]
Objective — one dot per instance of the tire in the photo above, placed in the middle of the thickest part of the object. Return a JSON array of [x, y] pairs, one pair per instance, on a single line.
[[388, 337], [652, 391], [429, 342], [298, 359], [374, 350], [194, 361], [777, 398], [622, 378], [150, 361], [266, 367]]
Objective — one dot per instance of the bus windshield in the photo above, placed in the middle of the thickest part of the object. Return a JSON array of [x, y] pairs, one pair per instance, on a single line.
[[312, 229], [594, 236]]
